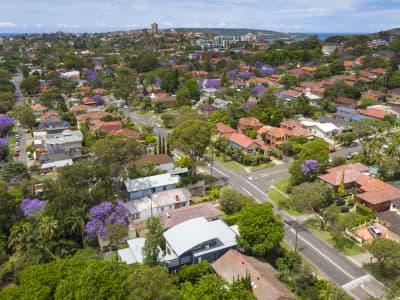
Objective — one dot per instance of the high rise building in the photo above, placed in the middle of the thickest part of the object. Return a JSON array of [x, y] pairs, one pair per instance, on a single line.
[[154, 28]]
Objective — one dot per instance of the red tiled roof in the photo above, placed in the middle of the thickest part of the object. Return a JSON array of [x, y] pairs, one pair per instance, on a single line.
[[180, 215], [39, 107], [276, 132], [126, 132], [298, 131], [259, 80], [224, 129], [92, 115], [250, 122], [266, 286], [290, 123], [376, 191], [79, 107], [107, 126], [99, 91], [351, 174], [291, 93], [345, 101], [88, 100], [240, 139], [373, 112]]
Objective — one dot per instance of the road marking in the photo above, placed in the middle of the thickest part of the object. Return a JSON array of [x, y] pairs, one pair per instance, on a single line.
[[226, 175], [247, 191], [321, 253], [272, 173]]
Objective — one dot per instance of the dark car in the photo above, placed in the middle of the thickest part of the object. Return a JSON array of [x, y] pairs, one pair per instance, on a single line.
[[353, 144], [344, 209], [332, 150], [339, 202]]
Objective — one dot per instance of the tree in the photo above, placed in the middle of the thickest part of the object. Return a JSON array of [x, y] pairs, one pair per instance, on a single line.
[[260, 230], [346, 138], [310, 197], [6, 102], [154, 242], [387, 252], [394, 80], [13, 169], [51, 97], [336, 67], [192, 137], [338, 161], [183, 97], [150, 284], [322, 72], [289, 80], [193, 273], [230, 200], [30, 85], [26, 116]]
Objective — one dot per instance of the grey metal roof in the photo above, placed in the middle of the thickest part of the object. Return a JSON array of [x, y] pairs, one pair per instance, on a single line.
[[143, 183], [191, 233]]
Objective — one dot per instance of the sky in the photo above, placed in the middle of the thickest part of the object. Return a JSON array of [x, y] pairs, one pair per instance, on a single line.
[[316, 16]]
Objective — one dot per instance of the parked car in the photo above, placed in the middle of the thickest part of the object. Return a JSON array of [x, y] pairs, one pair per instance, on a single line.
[[374, 231], [16, 154], [17, 149], [351, 155], [344, 209], [17, 136], [339, 202], [332, 150], [353, 144]]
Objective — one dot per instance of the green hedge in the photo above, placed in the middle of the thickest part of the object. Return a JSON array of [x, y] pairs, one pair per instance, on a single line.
[[363, 210], [231, 219]]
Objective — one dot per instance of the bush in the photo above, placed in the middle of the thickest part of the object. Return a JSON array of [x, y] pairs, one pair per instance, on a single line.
[[350, 202], [231, 219], [363, 210]]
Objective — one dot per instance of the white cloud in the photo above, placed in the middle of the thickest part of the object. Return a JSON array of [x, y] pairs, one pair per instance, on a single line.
[[128, 26], [7, 24], [168, 23]]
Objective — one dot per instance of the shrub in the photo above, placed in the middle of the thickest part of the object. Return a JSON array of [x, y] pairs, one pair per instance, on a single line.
[[363, 210], [231, 219]]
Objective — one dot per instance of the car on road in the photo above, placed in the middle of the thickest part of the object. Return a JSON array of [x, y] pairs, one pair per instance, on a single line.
[[332, 150], [344, 209], [17, 149], [351, 155], [17, 136], [158, 125], [126, 106], [16, 153], [375, 231]]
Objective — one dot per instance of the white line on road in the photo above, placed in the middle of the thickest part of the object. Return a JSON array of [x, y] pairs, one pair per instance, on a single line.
[[247, 191], [322, 254], [272, 173]]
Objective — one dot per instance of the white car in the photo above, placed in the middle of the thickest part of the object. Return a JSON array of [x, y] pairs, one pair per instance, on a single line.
[[158, 125], [17, 148]]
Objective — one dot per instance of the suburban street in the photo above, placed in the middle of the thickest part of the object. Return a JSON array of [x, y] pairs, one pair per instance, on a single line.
[[330, 263]]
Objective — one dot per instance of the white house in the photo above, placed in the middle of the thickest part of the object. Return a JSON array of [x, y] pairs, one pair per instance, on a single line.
[[145, 186], [189, 242], [157, 203], [326, 131]]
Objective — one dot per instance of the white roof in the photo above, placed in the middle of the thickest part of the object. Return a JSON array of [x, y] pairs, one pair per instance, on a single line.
[[133, 254], [327, 127], [57, 164], [191, 233], [67, 136], [138, 184], [312, 96]]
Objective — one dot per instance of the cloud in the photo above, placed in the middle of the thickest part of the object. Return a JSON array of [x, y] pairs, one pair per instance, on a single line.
[[7, 24], [168, 23]]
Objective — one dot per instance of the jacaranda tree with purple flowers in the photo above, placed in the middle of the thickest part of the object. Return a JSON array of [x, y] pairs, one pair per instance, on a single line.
[[105, 214], [99, 100], [31, 207], [308, 166], [257, 90], [212, 83], [3, 148], [6, 122], [232, 73], [247, 75]]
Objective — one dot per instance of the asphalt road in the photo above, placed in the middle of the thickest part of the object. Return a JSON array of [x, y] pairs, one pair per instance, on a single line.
[[327, 260], [332, 264]]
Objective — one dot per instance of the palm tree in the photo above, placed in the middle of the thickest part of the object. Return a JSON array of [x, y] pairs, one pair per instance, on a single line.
[[48, 228], [77, 222], [20, 235]]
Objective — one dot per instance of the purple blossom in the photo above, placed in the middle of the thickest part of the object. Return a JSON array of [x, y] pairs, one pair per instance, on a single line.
[[188, 63], [308, 166], [90, 75], [247, 75], [232, 73], [257, 90], [157, 80], [103, 214], [13, 180], [258, 64], [311, 64], [6, 121], [99, 100], [3, 142], [212, 83], [174, 60], [31, 207], [162, 63], [249, 104]]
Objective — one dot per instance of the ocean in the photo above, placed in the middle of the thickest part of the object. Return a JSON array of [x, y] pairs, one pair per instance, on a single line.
[[325, 35]]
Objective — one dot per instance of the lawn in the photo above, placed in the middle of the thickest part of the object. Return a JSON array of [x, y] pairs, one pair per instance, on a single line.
[[283, 184], [262, 166], [282, 202], [342, 244], [230, 164]]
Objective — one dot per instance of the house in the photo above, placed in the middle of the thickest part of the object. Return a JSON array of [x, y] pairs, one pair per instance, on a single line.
[[346, 101], [265, 285], [223, 129], [142, 209], [107, 126], [391, 220], [273, 136], [371, 192], [330, 48], [187, 243], [387, 109], [393, 95], [345, 113], [64, 145], [93, 116], [168, 102], [207, 109], [52, 123], [242, 141], [88, 101], [180, 215], [38, 110], [326, 131], [160, 161], [295, 128], [145, 186], [374, 95], [52, 166], [288, 95], [373, 113], [221, 104], [249, 123]]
